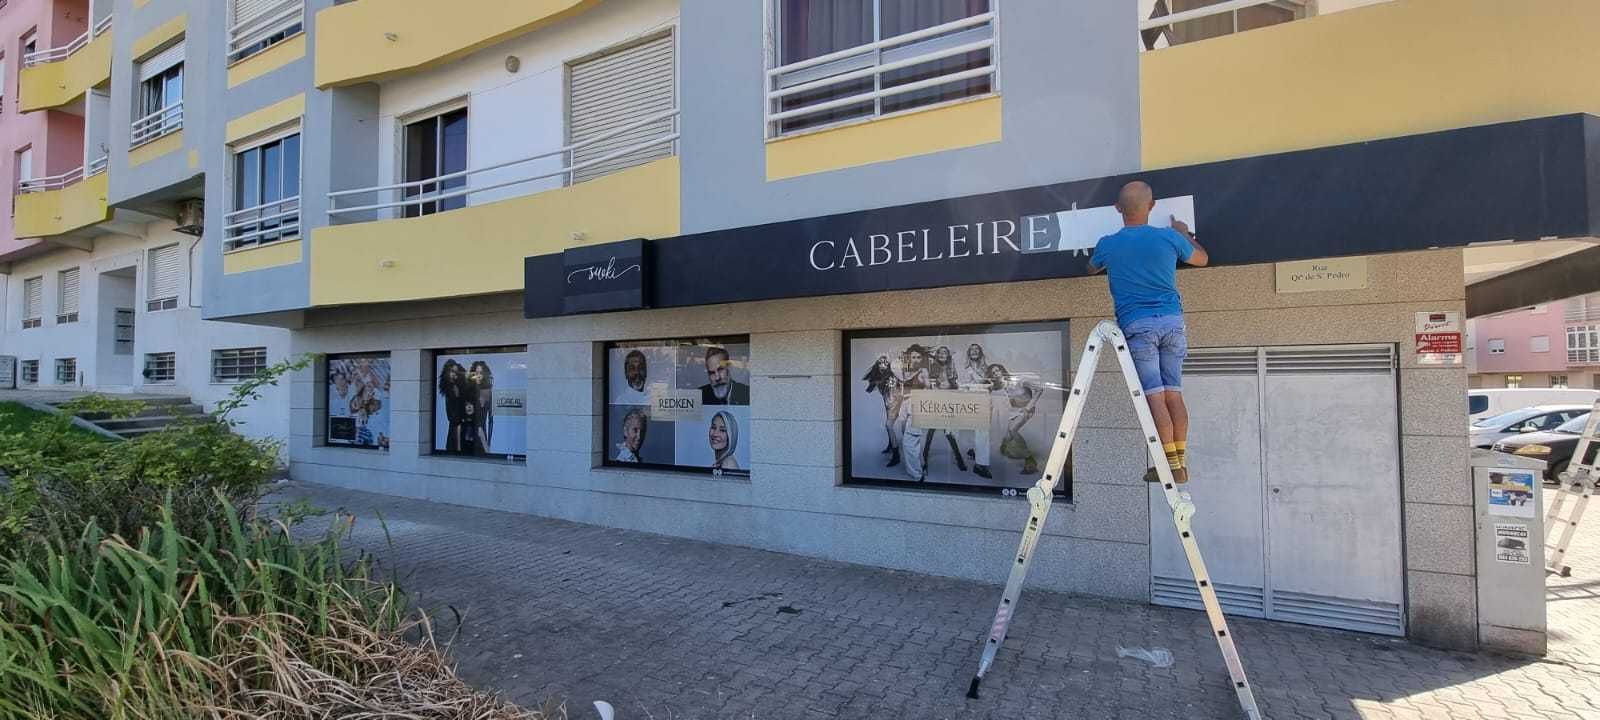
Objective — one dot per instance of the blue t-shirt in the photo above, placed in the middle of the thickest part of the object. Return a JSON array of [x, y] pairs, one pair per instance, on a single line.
[[1142, 263]]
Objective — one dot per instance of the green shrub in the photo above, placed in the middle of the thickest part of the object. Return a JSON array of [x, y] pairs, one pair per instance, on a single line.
[[239, 621], [59, 476]]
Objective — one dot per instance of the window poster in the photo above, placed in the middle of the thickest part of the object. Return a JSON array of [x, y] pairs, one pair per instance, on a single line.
[[679, 404], [972, 408], [358, 401], [480, 402]]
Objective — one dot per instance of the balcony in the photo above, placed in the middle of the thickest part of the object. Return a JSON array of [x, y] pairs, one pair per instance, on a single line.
[[63, 205], [381, 255], [1396, 68], [368, 40], [57, 77], [158, 124]]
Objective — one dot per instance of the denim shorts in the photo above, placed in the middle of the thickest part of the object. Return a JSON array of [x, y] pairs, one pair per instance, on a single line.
[[1158, 345]]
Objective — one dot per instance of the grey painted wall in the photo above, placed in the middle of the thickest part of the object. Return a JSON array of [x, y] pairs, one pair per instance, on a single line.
[[202, 65], [1069, 79]]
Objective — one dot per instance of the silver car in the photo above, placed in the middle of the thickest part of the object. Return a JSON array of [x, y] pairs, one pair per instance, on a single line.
[[1490, 430]]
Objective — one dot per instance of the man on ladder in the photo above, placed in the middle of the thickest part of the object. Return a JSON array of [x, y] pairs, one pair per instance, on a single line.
[[1142, 264]]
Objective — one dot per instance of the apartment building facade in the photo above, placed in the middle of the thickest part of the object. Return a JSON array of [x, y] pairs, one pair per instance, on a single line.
[[1553, 345], [103, 249], [680, 265]]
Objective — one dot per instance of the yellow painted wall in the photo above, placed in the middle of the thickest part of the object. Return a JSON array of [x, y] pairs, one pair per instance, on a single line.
[[260, 257], [55, 84], [266, 118], [56, 212], [918, 133], [480, 249], [1393, 69], [353, 44], [168, 143], [267, 60], [155, 39]]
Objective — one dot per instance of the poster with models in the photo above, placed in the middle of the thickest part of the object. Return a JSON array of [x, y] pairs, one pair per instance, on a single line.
[[681, 404], [358, 401], [480, 402], [955, 408]]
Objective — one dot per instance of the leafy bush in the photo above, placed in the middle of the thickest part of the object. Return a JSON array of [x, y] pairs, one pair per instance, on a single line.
[[237, 621], [60, 476]]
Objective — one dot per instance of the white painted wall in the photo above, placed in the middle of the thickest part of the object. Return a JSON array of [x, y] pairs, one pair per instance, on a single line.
[[513, 116], [180, 330]]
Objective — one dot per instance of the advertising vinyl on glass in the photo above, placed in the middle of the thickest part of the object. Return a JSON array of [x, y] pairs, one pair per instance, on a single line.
[[679, 403], [480, 403], [975, 408], [358, 401]]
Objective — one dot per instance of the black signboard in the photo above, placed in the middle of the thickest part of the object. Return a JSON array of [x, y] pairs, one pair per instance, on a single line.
[[1523, 181], [600, 278]]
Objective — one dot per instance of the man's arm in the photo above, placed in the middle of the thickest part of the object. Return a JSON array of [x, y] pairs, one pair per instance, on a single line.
[[1095, 268], [1198, 257]]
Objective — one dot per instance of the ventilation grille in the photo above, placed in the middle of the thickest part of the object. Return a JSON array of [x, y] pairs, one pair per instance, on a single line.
[[1373, 617], [1221, 362], [1332, 360], [1181, 592]]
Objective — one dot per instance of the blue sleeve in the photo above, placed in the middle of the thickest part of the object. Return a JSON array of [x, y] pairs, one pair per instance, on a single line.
[[1181, 244], [1094, 257]]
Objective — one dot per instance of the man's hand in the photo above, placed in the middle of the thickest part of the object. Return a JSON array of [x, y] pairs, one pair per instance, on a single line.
[[1198, 258], [1181, 227]]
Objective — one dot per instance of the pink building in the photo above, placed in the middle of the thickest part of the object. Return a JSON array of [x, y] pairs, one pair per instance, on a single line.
[[1554, 345], [35, 144]]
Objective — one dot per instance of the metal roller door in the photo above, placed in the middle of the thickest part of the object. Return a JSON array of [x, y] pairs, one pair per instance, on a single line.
[[1296, 460]]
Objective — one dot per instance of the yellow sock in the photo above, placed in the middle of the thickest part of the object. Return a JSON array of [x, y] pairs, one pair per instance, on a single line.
[[1182, 446], [1174, 460]]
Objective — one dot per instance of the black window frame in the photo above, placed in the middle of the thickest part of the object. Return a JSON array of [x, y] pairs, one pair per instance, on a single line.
[[412, 173], [606, 459]]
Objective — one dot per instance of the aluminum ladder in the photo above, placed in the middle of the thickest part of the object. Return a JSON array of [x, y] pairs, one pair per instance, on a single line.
[[1579, 480], [1039, 501]]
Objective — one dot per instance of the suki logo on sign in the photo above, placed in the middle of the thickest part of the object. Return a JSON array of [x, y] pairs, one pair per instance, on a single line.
[[601, 273]]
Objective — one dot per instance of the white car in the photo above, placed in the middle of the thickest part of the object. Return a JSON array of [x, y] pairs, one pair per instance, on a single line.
[[1484, 403], [1490, 430]]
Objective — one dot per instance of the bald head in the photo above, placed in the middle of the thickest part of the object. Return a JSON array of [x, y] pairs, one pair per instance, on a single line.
[[1135, 202]]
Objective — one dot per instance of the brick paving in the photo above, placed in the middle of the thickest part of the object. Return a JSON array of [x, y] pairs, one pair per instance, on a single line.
[[666, 628]]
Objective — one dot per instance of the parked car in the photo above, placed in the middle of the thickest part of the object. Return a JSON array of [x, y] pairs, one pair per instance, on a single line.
[[1486, 432], [1486, 403], [1554, 446]]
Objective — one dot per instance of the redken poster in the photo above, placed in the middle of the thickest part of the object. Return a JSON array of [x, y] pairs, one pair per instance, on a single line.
[[358, 401], [681, 404], [480, 402], [955, 407]]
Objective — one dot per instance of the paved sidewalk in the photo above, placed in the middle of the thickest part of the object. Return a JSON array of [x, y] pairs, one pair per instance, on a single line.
[[665, 628]]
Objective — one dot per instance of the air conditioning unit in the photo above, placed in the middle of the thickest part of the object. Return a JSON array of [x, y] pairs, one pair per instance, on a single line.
[[191, 217]]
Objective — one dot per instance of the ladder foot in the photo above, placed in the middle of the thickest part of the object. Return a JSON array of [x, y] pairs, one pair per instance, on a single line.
[[972, 691]]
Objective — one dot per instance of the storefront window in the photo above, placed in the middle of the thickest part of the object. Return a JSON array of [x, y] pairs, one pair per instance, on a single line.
[[964, 408], [480, 402], [358, 401], [681, 404]]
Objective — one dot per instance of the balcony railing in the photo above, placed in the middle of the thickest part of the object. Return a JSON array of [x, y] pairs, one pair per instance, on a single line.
[[810, 87], [1151, 29], [264, 223], [435, 190], [257, 33], [68, 178], [39, 57], [166, 120]]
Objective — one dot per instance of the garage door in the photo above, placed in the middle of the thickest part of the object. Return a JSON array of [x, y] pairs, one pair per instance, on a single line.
[[1295, 460]]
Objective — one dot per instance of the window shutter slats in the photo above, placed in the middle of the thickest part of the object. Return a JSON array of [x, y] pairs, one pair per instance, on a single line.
[[33, 297], [67, 299], [615, 90], [161, 62], [163, 272], [246, 10]]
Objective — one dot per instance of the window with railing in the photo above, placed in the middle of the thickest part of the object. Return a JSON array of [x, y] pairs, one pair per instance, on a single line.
[[33, 57], [846, 60], [255, 25], [160, 104], [236, 364], [30, 372], [435, 163], [266, 192], [160, 368], [1583, 345], [1166, 23]]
